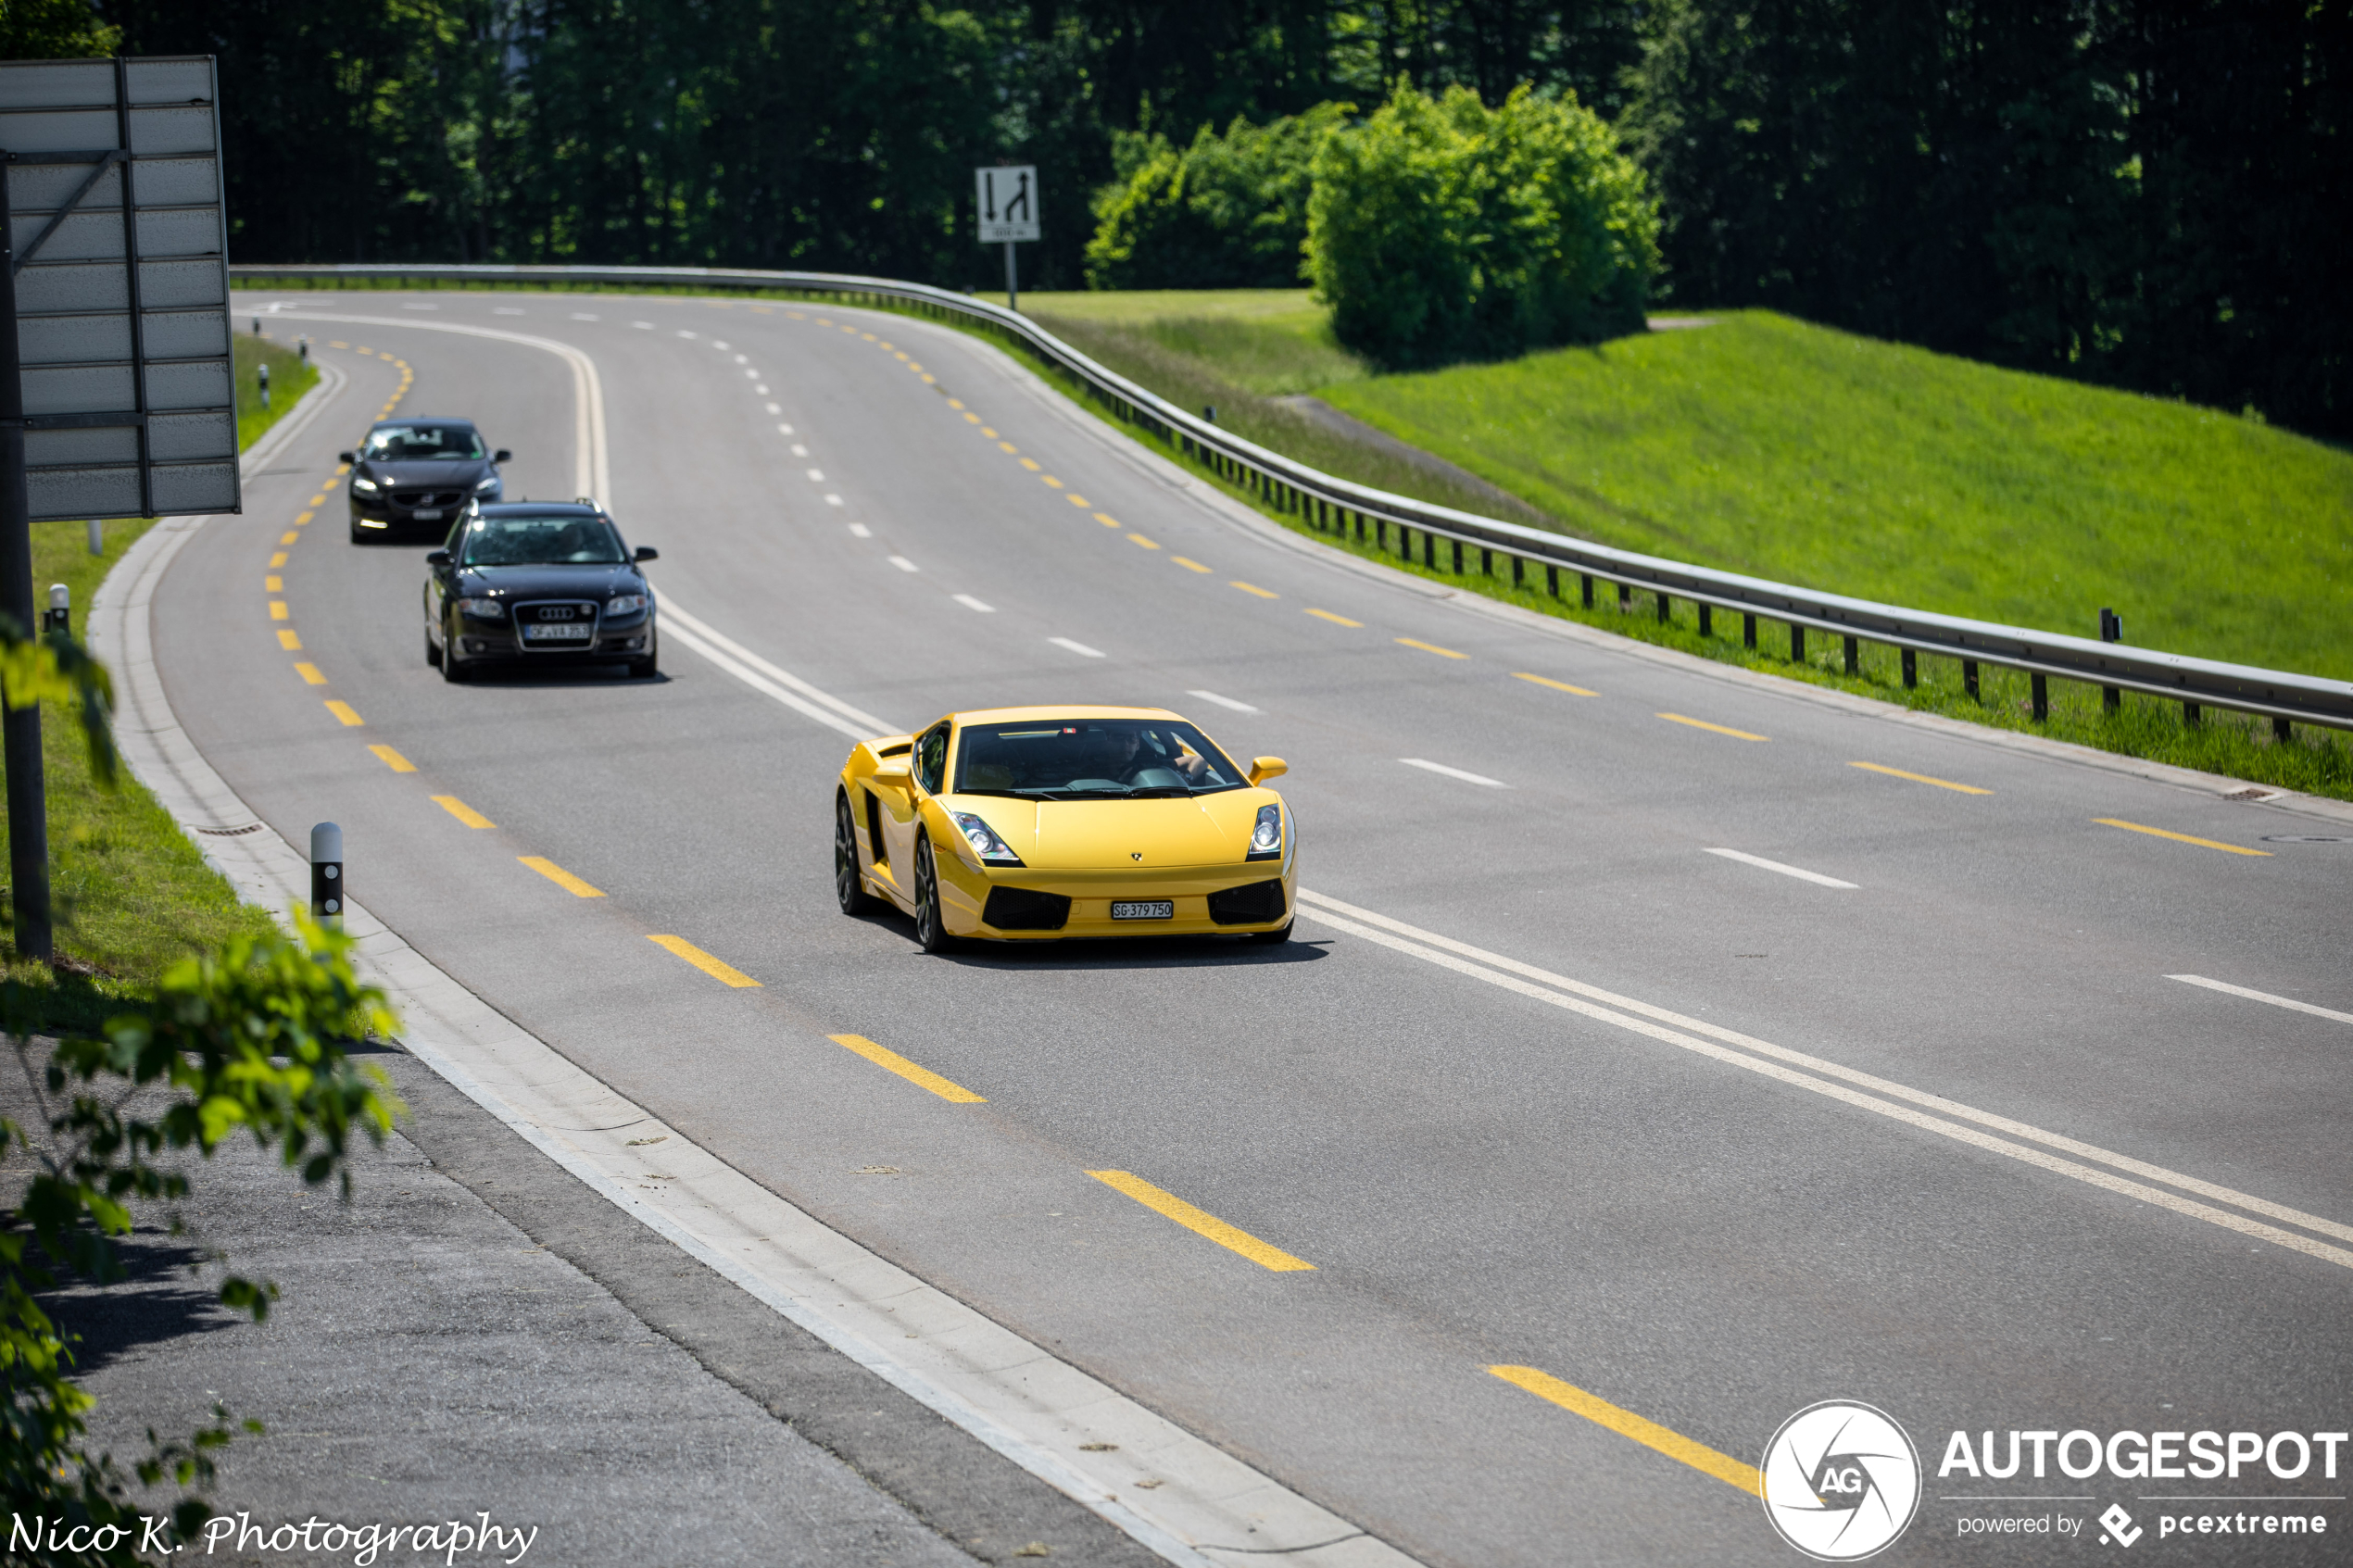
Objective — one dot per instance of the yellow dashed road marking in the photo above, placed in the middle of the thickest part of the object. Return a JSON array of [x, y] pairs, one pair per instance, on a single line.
[[702, 960], [278, 610], [1335, 619], [1714, 729], [343, 711], [1432, 647], [288, 537], [2180, 838], [1921, 778], [1139, 539], [462, 812], [1188, 563], [1206, 1224], [311, 675], [289, 641], [883, 1056], [278, 559], [1254, 588], [1556, 685], [1625, 1424], [273, 584], [393, 759], [560, 877]]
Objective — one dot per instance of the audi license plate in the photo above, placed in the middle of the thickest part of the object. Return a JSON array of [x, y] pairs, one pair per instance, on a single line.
[[1145, 909], [558, 632], [427, 514]]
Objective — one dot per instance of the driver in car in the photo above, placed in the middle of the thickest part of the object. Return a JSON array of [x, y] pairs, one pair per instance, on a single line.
[[1130, 757]]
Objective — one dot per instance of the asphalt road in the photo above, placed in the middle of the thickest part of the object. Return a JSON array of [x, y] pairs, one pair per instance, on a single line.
[[1479, 1173]]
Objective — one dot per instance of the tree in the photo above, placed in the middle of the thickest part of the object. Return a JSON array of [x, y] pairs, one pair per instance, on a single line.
[[1441, 229], [54, 30], [1227, 212]]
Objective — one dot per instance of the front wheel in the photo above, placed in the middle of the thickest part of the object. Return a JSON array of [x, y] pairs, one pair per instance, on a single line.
[[931, 931], [433, 652], [848, 886], [452, 669]]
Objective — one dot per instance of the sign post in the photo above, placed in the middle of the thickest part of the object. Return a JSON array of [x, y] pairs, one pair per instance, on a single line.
[[116, 394], [1008, 200]]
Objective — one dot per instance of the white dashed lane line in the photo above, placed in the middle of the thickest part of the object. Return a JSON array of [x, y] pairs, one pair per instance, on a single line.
[[1763, 864], [1464, 774], [582, 316], [817, 476], [860, 531], [1079, 648], [971, 603], [1224, 701], [903, 564], [2289, 1002]]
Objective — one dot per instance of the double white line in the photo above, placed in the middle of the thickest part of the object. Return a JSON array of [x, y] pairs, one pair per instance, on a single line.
[[1894, 1100]]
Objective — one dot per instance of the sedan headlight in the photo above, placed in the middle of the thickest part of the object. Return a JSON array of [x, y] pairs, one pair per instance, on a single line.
[[483, 610], [625, 604], [992, 850], [364, 485], [486, 484], [1267, 837]]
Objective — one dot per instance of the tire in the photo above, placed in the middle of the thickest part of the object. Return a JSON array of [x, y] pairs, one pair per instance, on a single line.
[[433, 652], [850, 887], [453, 669], [931, 931], [1270, 937]]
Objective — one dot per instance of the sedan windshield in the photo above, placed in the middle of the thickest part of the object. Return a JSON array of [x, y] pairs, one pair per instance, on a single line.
[[1091, 759], [421, 443], [542, 541]]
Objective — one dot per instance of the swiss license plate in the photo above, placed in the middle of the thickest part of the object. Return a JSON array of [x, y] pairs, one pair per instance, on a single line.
[[427, 514], [1145, 909], [561, 632]]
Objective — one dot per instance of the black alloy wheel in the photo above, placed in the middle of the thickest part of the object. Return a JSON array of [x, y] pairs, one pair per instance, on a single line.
[[848, 886], [931, 931]]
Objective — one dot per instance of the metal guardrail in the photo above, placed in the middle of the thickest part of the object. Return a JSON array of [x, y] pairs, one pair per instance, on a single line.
[[1377, 516]]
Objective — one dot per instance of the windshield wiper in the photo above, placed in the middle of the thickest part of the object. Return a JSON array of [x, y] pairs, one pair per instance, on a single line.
[[1161, 791]]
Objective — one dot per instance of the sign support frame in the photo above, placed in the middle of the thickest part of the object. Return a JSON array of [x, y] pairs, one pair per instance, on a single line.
[[20, 727]]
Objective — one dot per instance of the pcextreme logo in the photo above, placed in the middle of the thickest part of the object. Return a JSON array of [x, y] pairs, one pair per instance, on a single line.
[[1842, 1481]]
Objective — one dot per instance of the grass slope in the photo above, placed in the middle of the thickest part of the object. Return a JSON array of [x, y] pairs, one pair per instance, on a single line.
[[130, 893]]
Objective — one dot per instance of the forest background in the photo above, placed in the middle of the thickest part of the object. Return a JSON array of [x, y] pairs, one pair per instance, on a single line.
[[2147, 194]]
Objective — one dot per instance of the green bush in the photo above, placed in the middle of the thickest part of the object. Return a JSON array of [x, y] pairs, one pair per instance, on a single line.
[[1441, 229], [1228, 212]]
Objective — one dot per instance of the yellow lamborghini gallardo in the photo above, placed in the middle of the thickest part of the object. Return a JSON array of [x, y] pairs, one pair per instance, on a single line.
[[1029, 824]]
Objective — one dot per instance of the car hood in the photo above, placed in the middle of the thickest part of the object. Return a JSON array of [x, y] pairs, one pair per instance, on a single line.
[[1072, 835], [440, 470], [536, 582]]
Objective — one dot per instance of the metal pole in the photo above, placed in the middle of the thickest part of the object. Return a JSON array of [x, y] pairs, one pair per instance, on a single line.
[[19, 727], [326, 874], [1012, 283]]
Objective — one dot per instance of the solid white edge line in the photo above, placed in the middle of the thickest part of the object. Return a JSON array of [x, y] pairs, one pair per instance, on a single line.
[[977, 1373], [1952, 1129], [1763, 864], [747, 666], [1835, 1070], [2289, 1002], [1079, 648], [1453, 772], [1224, 702]]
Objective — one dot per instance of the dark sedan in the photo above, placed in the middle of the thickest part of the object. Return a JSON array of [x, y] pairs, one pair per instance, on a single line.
[[538, 582], [413, 476]]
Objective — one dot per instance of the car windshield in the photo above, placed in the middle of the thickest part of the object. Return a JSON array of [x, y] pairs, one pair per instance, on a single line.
[[1091, 759], [542, 541], [419, 443]]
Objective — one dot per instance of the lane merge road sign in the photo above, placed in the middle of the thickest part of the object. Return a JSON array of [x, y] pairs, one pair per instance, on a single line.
[[1008, 200]]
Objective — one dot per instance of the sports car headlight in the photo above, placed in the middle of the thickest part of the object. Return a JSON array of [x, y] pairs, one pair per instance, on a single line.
[[365, 486], [483, 610], [625, 604], [992, 850], [487, 483], [1267, 838]]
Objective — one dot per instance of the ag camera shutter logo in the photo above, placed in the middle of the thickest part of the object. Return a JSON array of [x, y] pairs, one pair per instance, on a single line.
[[1842, 1481]]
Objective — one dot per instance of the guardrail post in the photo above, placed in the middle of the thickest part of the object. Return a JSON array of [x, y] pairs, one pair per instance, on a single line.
[[1665, 608], [2282, 730], [1519, 571], [1796, 643], [1589, 588], [1706, 619], [1911, 669], [1486, 561], [1430, 550], [1969, 678], [1748, 631], [1854, 655], [1552, 580], [1458, 556], [2190, 715], [2042, 693], [1625, 599]]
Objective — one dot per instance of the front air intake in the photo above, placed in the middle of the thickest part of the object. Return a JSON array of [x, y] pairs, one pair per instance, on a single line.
[[1023, 908], [1251, 904]]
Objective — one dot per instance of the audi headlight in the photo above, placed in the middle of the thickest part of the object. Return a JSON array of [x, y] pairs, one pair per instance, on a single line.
[[486, 484], [1267, 837], [365, 486], [625, 604], [991, 849], [483, 610]]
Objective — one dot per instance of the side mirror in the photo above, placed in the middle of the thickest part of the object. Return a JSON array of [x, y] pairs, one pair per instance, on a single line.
[[1265, 768], [437, 557], [891, 771], [646, 552], [346, 457], [502, 456]]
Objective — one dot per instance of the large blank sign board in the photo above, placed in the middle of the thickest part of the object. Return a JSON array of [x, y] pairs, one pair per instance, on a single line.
[[113, 193]]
